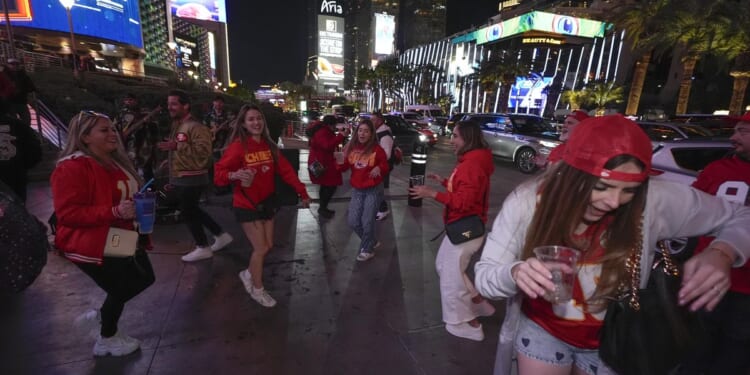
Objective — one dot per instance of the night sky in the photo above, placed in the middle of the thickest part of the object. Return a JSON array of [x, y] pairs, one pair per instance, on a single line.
[[268, 38]]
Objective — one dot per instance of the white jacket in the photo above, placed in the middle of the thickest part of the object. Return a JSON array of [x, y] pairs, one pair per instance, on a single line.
[[672, 210]]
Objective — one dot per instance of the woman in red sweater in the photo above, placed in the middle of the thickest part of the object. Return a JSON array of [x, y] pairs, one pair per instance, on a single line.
[[323, 144], [368, 163], [250, 163]]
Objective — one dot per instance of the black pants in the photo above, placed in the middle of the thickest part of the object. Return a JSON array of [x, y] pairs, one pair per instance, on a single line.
[[195, 217], [386, 182], [122, 279], [326, 193]]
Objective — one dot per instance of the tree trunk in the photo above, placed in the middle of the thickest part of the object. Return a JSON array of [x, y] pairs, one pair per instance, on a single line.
[[738, 94], [636, 86], [688, 67]]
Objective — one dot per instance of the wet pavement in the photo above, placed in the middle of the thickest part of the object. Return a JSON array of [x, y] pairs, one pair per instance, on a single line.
[[334, 315]]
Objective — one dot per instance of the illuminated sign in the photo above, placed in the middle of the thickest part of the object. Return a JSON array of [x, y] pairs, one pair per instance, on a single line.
[[541, 40], [536, 21], [114, 20], [529, 92], [331, 7], [385, 29], [508, 4], [330, 49], [204, 10], [186, 48]]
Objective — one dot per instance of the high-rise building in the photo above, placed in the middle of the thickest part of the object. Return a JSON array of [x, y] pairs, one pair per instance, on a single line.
[[422, 22]]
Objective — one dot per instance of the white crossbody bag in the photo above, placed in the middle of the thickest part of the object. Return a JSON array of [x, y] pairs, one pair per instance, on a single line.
[[121, 243]]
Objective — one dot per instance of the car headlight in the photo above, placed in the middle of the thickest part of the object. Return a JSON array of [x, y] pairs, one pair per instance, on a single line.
[[422, 138], [305, 119], [434, 136], [548, 144]]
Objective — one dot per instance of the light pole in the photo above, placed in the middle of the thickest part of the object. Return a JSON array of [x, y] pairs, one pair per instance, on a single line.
[[9, 29], [68, 5]]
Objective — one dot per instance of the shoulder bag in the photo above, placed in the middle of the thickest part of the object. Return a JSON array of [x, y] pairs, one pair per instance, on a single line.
[[316, 169], [121, 243], [466, 228], [646, 332]]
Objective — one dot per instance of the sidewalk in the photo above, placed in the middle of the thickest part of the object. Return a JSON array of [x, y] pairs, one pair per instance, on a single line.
[[334, 316]]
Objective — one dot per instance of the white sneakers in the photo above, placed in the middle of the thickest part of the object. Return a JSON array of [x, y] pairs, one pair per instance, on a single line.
[[118, 345], [221, 241], [382, 215], [200, 253], [259, 295], [364, 256], [89, 322], [465, 330]]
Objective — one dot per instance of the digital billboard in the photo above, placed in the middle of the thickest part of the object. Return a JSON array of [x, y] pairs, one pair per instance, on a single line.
[[528, 92], [117, 20], [187, 51], [330, 48], [385, 29], [204, 10]]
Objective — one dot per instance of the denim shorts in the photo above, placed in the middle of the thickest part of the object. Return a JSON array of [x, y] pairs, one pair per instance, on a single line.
[[536, 343]]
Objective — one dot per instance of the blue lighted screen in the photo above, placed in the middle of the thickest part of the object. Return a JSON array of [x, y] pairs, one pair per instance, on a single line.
[[529, 92], [117, 20]]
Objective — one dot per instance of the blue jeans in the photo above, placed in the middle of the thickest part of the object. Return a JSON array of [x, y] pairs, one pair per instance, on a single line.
[[362, 210]]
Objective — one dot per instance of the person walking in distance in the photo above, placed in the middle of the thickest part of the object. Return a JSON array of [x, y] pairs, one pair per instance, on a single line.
[[467, 194], [189, 148], [368, 162], [570, 123], [250, 164], [385, 140], [323, 144], [92, 189], [726, 352]]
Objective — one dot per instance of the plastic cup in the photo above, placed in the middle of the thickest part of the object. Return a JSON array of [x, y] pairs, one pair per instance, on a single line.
[[249, 182], [557, 259], [417, 180], [339, 157], [145, 211]]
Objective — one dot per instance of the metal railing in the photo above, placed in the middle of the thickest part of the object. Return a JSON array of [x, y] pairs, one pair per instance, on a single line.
[[53, 130]]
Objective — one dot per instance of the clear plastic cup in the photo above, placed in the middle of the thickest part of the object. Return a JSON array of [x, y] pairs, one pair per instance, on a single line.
[[339, 157], [561, 261], [417, 180], [249, 181]]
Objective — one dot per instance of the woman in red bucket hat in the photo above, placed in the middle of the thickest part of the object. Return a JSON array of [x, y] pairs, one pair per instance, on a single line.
[[598, 200]]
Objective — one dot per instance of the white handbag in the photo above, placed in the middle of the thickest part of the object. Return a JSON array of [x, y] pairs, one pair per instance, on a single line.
[[121, 243]]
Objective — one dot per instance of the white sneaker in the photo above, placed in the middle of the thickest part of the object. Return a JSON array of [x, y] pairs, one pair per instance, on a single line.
[[115, 345], [127, 338], [465, 330], [262, 297], [382, 215], [364, 256], [199, 253], [246, 280], [221, 241], [89, 322]]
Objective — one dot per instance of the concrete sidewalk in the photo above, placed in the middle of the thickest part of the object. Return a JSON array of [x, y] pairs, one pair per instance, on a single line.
[[334, 316]]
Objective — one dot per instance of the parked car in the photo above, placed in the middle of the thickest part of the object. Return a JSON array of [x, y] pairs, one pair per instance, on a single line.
[[418, 122], [670, 131], [404, 134], [681, 161], [720, 125], [517, 137], [453, 120], [433, 114]]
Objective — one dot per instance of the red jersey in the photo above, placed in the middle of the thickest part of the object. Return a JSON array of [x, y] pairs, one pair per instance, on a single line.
[[572, 322], [362, 164], [728, 178]]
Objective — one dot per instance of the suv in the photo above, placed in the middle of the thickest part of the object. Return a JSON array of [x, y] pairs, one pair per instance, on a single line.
[[518, 137], [404, 134], [670, 131]]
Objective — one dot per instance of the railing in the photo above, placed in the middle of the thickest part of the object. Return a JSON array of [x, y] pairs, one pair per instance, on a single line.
[[53, 130]]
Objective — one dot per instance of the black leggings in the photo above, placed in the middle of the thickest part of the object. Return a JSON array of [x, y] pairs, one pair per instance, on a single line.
[[195, 217], [326, 193], [122, 279]]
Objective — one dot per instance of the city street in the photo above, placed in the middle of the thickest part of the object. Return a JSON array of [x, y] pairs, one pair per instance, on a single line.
[[335, 315]]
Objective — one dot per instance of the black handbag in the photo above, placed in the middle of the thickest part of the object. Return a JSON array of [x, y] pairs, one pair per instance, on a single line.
[[316, 169], [647, 332], [465, 229]]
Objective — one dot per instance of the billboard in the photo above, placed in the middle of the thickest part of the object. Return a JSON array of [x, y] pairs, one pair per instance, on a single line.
[[204, 10], [330, 48], [529, 92], [385, 29], [117, 20], [187, 51]]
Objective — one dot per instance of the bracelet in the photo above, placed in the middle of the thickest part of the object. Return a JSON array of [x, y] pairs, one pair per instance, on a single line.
[[724, 253]]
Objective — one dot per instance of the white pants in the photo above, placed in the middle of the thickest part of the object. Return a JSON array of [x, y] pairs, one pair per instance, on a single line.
[[456, 289]]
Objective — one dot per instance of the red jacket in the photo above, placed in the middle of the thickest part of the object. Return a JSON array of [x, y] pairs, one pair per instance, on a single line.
[[728, 178], [322, 146], [361, 166], [468, 186], [255, 155], [84, 195]]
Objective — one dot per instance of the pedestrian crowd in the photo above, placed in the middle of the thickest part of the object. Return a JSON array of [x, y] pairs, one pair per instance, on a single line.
[[595, 199]]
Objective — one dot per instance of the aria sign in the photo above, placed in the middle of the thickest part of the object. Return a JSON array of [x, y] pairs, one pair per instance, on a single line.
[[330, 6]]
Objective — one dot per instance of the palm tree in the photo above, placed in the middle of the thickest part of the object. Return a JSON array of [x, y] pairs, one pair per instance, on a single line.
[[574, 98], [498, 72], [600, 94], [741, 74]]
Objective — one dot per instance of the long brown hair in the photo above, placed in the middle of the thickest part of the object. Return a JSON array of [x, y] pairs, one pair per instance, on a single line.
[[355, 143], [471, 132], [240, 133], [565, 193]]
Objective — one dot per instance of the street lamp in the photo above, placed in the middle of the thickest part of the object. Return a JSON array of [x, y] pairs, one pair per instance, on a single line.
[[68, 5]]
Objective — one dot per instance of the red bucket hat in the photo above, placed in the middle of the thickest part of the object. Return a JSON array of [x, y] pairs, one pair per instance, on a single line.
[[578, 115], [596, 140]]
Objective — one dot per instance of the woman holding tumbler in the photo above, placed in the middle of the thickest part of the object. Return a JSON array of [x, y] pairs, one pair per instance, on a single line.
[[323, 144], [92, 188], [250, 164], [598, 199], [467, 193]]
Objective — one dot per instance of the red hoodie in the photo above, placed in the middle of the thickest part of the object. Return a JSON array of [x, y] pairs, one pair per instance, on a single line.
[[362, 164], [255, 155], [468, 186]]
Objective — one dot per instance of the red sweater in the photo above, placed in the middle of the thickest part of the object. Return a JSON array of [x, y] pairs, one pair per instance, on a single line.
[[362, 164], [468, 186], [255, 155], [84, 193]]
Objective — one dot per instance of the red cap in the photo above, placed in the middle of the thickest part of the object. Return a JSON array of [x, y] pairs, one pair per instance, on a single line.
[[596, 140], [578, 115]]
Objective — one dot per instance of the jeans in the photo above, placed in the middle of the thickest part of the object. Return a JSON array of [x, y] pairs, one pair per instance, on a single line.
[[195, 217], [362, 210], [122, 279]]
